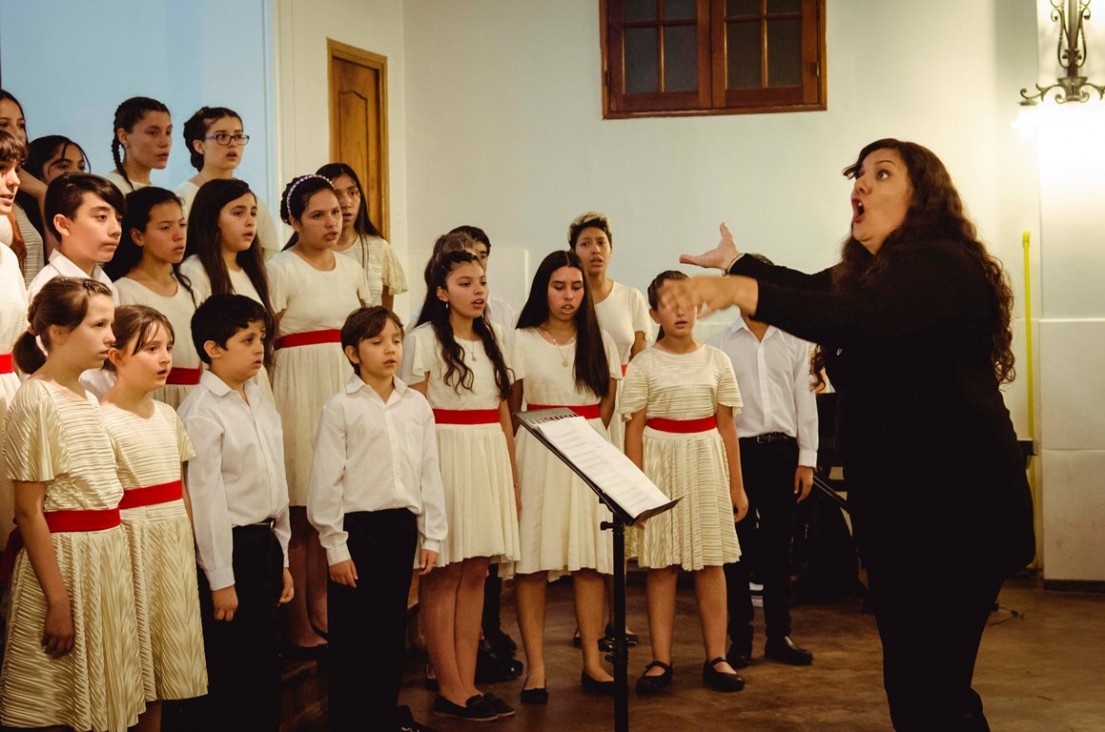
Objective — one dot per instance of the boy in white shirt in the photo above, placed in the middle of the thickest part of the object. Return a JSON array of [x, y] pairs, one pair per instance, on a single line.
[[375, 496], [239, 498], [83, 211]]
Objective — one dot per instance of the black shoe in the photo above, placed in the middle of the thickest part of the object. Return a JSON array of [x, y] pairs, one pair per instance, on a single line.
[[498, 706], [501, 644], [595, 686], [720, 680], [783, 650], [405, 720], [492, 669], [536, 695], [474, 710], [739, 657], [647, 685], [631, 639]]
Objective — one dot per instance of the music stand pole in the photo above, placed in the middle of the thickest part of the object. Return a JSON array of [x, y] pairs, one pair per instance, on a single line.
[[620, 655]]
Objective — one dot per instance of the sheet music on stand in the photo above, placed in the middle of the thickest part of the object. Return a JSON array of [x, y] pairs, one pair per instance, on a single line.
[[620, 483]]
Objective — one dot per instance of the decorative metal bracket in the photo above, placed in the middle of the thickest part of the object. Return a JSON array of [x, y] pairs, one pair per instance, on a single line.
[[1071, 53]]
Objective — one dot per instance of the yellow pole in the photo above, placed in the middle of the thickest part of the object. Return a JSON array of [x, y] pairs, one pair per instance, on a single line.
[[1025, 242]]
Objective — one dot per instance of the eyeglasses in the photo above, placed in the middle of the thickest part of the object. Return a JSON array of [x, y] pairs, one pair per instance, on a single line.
[[225, 138]]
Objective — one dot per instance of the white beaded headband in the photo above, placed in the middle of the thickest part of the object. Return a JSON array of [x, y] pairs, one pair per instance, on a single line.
[[291, 191]]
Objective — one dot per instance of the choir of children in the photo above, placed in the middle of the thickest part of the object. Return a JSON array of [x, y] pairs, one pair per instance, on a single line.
[[158, 530]]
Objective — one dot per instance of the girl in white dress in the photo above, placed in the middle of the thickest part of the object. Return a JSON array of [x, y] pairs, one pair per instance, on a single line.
[[313, 291], [223, 255], [144, 131], [72, 656], [13, 312], [146, 271], [679, 397], [151, 446], [561, 358], [362, 241], [216, 143], [28, 230], [454, 358]]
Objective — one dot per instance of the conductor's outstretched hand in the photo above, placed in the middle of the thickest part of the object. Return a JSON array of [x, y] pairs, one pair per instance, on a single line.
[[719, 257]]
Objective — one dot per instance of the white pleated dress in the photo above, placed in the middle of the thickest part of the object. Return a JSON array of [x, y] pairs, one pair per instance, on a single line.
[[304, 378], [13, 323], [150, 452], [475, 464], [193, 269], [179, 310], [699, 531], [559, 527], [57, 437]]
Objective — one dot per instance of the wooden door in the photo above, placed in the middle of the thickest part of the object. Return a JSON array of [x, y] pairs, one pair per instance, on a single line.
[[358, 122]]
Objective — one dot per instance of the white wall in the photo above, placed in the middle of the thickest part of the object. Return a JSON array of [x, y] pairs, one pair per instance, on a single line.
[[71, 63], [303, 28]]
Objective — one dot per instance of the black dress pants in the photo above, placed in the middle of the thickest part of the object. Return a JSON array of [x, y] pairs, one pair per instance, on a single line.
[[243, 666], [368, 623], [765, 535]]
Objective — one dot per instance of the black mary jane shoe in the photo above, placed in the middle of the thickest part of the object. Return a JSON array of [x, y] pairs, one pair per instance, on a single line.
[[606, 688], [475, 709], [720, 680], [648, 685], [536, 695]]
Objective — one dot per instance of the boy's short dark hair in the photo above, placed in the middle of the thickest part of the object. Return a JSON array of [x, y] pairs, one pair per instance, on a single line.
[[478, 235], [66, 193], [220, 317], [364, 323]]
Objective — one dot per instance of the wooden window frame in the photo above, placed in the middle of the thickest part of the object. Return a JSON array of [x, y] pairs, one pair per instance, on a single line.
[[712, 97]]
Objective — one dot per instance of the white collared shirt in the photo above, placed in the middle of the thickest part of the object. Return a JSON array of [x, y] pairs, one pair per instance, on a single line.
[[372, 455], [61, 266], [237, 476], [774, 379]]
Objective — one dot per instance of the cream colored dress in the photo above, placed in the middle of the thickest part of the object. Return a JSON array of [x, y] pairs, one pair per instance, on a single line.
[[36, 251], [699, 531], [149, 452], [304, 378], [193, 269], [622, 314], [560, 523], [475, 464], [382, 268], [179, 310], [13, 323], [56, 437]]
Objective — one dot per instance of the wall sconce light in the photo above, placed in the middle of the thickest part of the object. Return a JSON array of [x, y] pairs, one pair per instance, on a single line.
[[1070, 15]]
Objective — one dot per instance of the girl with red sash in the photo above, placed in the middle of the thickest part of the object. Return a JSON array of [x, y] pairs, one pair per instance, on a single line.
[[313, 291], [146, 271], [13, 306], [72, 655], [454, 358], [150, 446], [679, 396], [561, 358]]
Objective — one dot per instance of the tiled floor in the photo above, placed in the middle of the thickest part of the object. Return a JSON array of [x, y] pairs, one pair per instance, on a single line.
[[1042, 668]]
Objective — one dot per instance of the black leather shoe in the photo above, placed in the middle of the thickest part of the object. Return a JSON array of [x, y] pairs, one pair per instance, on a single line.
[[475, 709], [720, 680], [536, 695], [492, 669], [595, 686], [647, 685], [739, 657], [497, 705], [783, 650]]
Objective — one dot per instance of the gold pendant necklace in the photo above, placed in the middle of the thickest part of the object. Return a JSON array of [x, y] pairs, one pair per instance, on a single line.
[[563, 358]]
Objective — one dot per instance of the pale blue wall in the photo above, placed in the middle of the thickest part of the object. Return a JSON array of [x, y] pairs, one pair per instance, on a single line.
[[71, 62]]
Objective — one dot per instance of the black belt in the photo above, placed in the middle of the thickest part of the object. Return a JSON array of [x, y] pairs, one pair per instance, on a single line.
[[267, 524], [769, 438]]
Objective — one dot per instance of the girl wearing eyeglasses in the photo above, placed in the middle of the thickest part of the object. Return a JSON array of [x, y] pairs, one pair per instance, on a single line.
[[216, 142]]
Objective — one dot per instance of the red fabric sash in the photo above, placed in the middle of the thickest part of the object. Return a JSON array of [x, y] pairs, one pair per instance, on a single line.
[[150, 495], [6, 363], [183, 377], [466, 416], [682, 426], [587, 411], [311, 338], [58, 522], [624, 367]]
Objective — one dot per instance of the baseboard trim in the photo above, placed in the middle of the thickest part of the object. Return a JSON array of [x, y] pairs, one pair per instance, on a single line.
[[1095, 586]]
